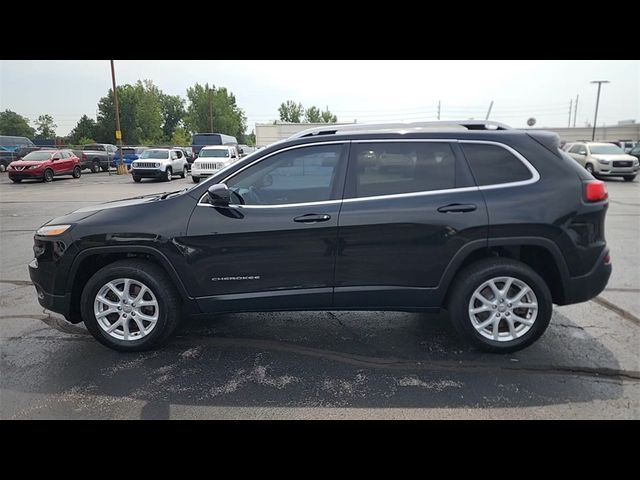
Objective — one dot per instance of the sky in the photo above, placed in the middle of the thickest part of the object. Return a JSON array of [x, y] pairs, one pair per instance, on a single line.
[[366, 91]]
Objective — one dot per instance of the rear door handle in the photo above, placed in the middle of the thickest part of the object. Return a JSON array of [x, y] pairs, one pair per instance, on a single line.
[[457, 208], [312, 218]]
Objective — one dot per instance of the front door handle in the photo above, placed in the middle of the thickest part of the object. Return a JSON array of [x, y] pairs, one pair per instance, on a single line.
[[312, 218], [457, 208]]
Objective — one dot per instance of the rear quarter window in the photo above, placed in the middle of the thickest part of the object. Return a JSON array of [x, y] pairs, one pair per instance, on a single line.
[[494, 165]]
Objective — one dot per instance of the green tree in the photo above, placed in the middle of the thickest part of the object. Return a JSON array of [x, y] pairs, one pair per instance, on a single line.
[[45, 126], [85, 128], [228, 118], [180, 137], [172, 114], [328, 117], [83, 141], [312, 115], [291, 111], [13, 124], [250, 139], [140, 114]]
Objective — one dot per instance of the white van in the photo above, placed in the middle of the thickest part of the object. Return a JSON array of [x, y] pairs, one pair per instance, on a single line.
[[212, 159]]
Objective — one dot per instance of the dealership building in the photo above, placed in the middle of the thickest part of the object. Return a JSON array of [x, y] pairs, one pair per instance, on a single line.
[[268, 133]]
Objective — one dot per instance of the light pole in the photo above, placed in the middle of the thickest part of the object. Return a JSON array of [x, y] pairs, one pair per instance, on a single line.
[[595, 118], [121, 169]]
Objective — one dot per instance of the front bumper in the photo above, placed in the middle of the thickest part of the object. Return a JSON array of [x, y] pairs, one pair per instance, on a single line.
[[609, 170], [585, 287], [55, 303], [203, 173], [147, 172], [25, 174]]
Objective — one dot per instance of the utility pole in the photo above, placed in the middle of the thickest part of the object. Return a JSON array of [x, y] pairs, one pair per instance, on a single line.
[[122, 169], [210, 113], [595, 118], [570, 108], [438, 109], [575, 111], [489, 111]]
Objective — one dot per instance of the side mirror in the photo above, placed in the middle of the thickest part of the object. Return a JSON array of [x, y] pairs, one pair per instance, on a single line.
[[219, 195]]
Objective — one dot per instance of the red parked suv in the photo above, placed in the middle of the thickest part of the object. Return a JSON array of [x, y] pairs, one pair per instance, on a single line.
[[44, 165]]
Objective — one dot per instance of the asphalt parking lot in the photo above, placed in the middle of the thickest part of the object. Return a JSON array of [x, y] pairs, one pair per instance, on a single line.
[[315, 364]]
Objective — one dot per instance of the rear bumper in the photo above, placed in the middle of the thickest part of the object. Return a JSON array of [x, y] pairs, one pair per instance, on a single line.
[[585, 287]]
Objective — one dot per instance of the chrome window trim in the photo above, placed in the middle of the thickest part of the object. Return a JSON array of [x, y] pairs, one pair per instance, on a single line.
[[535, 176]]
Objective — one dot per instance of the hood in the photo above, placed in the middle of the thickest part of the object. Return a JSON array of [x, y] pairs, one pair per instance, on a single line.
[[86, 212], [22, 163], [127, 202], [615, 156]]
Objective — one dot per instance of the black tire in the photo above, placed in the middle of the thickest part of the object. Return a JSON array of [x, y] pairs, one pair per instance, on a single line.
[[105, 169], [137, 179], [77, 172], [48, 175], [3, 167], [155, 278], [168, 175], [629, 178], [184, 173], [590, 169], [472, 277], [195, 179], [16, 180], [95, 166]]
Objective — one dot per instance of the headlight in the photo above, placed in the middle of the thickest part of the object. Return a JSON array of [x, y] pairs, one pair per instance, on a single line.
[[603, 162], [33, 166], [156, 164], [52, 230]]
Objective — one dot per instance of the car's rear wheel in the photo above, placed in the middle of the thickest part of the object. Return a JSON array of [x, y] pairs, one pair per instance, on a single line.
[[629, 178], [168, 175], [3, 168], [500, 305], [136, 179], [77, 171], [48, 175], [130, 305], [95, 167], [105, 168], [195, 179], [184, 172]]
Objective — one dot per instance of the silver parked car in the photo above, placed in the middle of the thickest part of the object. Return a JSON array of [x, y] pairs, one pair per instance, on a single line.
[[604, 159]]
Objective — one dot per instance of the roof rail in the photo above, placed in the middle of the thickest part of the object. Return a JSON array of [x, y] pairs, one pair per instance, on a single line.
[[401, 127]]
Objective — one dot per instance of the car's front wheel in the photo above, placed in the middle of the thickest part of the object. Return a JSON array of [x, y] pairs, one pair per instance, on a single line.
[[184, 172], [195, 179], [168, 174], [500, 305], [137, 179], [130, 305]]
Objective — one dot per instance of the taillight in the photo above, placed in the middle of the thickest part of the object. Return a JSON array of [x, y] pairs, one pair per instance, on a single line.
[[595, 191]]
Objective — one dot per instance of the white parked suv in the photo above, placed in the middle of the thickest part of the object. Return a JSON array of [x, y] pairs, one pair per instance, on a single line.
[[160, 163], [212, 159], [604, 159]]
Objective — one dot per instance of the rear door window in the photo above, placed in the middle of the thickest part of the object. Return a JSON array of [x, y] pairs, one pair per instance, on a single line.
[[494, 165]]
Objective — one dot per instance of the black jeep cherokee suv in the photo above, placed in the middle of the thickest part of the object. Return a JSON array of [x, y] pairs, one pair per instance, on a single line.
[[491, 223]]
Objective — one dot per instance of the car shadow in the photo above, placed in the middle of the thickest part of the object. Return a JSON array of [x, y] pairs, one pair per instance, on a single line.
[[315, 359]]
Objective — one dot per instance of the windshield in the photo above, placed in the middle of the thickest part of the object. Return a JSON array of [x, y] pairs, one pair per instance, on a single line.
[[605, 150], [127, 151], [214, 153], [36, 156], [160, 154]]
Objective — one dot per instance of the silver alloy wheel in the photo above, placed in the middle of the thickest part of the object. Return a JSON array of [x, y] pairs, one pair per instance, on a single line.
[[126, 309], [503, 309], [169, 174]]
